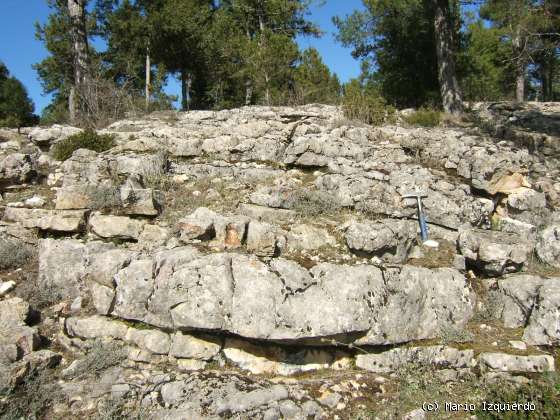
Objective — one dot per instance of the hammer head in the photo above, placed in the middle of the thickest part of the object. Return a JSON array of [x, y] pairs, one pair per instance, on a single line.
[[415, 195]]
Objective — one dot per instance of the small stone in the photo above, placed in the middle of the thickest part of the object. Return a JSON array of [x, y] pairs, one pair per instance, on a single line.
[[35, 202], [6, 287], [519, 345], [417, 414], [330, 399], [76, 305], [189, 365]]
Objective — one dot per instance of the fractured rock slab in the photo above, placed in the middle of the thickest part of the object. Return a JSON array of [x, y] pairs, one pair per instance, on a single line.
[[391, 240], [116, 227], [51, 220], [511, 363], [437, 356], [496, 253]]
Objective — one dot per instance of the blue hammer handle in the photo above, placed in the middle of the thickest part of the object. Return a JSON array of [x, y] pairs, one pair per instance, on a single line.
[[423, 227]]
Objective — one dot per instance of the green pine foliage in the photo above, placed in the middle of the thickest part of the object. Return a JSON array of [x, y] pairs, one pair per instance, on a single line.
[[424, 117], [365, 104], [87, 139], [395, 39], [231, 53], [314, 82], [16, 109], [487, 73]]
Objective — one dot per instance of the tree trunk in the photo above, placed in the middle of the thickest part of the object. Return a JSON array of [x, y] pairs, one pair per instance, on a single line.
[[148, 78], [449, 86], [547, 75], [519, 66], [248, 92], [185, 90], [77, 13], [262, 42], [72, 106]]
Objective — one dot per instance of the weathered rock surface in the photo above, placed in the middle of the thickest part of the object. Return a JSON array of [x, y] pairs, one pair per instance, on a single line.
[[50, 220], [16, 168], [532, 302], [268, 239], [16, 338], [73, 256], [115, 227], [436, 356], [47, 136], [227, 291], [495, 253], [391, 240], [548, 245], [510, 363], [307, 237], [544, 323]]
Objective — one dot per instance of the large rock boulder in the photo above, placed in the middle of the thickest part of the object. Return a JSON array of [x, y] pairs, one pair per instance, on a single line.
[[50, 220], [47, 136], [16, 338], [544, 323], [495, 253], [532, 302], [116, 227], [17, 168], [391, 240], [548, 245]]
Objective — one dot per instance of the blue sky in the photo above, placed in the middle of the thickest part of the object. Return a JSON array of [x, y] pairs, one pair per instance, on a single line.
[[19, 49]]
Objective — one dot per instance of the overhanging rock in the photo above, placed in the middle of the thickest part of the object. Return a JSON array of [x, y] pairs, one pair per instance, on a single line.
[[180, 289]]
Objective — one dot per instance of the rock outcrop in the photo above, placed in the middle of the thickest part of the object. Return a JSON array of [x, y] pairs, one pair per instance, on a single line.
[[209, 254]]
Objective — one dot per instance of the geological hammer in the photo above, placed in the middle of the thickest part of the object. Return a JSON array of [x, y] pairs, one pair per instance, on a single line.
[[421, 218]]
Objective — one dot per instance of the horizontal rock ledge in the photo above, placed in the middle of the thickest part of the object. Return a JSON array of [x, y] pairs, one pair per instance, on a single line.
[[182, 290]]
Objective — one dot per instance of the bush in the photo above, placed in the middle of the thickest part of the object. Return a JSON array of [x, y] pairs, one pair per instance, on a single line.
[[32, 398], [39, 295], [312, 203], [424, 117], [87, 139], [100, 357], [365, 105], [543, 392], [13, 254], [452, 334]]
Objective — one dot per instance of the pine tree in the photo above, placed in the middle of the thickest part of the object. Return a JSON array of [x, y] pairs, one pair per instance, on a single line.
[[16, 109], [486, 73], [529, 28], [128, 31], [178, 44], [395, 40], [313, 80]]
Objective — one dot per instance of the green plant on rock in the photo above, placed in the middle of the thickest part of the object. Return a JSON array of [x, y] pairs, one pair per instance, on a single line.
[[312, 203], [100, 357], [543, 392], [13, 254], [424, 117], [31, 398], [365, 104], [87, 139], [452, 334]]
